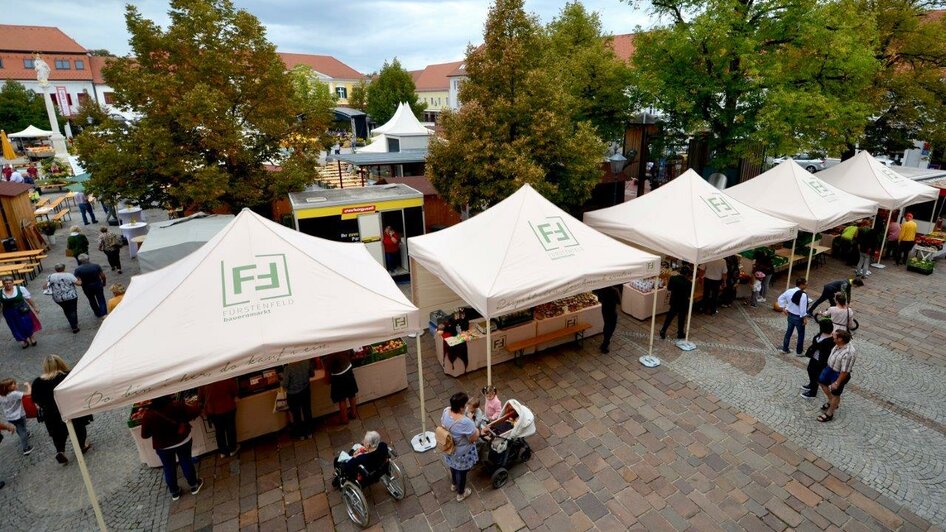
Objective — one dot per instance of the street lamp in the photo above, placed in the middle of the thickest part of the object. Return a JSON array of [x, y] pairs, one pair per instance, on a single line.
[[618, 163]]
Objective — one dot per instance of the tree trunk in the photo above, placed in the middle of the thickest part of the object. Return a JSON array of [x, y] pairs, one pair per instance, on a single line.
[[848, 152]]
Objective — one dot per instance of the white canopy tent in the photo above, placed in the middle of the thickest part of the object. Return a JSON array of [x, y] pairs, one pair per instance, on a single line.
[[173, 240], [393, 120], [864, 176], [402, 124], [792, 193], [257, 295], [522, 252], [31, 132], [690, 219]]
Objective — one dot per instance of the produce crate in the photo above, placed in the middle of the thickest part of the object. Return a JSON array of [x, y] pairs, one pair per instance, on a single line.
[[915, 264], [919, 270]]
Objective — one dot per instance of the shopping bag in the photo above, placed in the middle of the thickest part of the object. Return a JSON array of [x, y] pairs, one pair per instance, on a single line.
[[282, 404], [29, 406]]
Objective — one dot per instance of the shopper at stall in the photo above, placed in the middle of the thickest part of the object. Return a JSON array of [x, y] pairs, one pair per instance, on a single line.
[[295, 379], [92, 280], [833, 288], [77, 244], [728, 295], [111, 245], [714, 273], [167, 423], [679, 286], [118, 293], [219, 403], [55, 370], [866, 242], [906, 239], [818, 353], [840, 314], [32, 172], [463, 433], [763, 263], [343, 386], [20, 312], [610, 298], [837, 374], [893, 237], [793, 302], [392, 249], [62, 288]]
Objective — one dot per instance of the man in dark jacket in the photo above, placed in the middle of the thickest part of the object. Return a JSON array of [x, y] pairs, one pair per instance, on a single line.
[[831, 289], [679, 286], [610, 298]]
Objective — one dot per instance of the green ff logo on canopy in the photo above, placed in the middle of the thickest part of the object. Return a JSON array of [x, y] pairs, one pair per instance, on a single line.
[[554, 234], [266, 278]]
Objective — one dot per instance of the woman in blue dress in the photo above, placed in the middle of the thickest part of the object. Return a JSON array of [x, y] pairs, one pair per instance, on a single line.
[[17, 304], [464, 433]]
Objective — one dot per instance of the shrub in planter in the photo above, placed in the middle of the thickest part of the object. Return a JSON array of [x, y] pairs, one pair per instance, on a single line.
[[47, 228]]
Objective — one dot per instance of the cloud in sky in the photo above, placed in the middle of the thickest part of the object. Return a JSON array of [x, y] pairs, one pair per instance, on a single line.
[[361, 33]]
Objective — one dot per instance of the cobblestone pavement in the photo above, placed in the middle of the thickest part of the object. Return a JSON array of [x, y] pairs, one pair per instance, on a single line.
[[714, 439], [41, 494]]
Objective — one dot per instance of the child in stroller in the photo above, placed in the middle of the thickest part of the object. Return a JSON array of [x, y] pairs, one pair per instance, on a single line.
[[506, 440]]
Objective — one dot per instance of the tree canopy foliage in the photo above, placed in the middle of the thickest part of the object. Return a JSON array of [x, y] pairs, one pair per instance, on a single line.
[[358, 99], [782, 75], [517, 124], [215, 104], [392, 86], [21, 107]]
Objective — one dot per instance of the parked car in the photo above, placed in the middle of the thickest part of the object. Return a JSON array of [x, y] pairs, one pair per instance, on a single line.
[[806, 161], [886, 161]]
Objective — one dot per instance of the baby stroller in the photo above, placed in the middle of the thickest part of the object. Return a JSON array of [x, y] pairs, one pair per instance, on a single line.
[[355, 475], [506, 438]]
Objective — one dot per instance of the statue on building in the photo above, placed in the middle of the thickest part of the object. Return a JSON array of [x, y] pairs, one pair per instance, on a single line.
[[42, 71]]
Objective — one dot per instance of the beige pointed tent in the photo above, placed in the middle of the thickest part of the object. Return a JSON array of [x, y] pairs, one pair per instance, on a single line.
[[864, 176], [690, 219], [792, 193], [257, 295], [31, 132]]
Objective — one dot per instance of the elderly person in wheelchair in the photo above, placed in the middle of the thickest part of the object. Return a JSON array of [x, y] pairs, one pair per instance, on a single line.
[[365, 464]]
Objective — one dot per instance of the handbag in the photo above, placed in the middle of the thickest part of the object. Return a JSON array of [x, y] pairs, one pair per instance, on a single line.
[[282, 403], [444, 439], [70, 253], [29, 406]]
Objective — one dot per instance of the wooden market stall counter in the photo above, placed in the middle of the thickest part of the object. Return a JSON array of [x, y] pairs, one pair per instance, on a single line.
[[255, 416], [467, 352]]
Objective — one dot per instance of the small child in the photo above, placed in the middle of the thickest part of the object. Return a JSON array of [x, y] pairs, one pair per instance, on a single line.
[[11, 402], [493, 405], [473, 412], [757, 289]]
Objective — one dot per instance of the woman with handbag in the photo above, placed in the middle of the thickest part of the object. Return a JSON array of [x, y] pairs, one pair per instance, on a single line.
[[111, 245], [20, 312], [463, 456], [77, 243], [167, 423], [840, 314], [55, 370]]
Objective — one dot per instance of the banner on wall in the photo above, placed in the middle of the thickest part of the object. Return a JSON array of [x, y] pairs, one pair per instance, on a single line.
[[63, 97]]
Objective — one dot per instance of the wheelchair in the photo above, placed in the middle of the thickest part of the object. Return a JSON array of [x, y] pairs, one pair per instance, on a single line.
[[355, 476]]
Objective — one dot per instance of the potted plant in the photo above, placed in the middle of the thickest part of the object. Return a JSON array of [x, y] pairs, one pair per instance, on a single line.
[[48, 228]]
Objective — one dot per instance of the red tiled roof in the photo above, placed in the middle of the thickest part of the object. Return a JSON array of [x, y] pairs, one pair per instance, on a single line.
[[418, 182], [324, 64], [623, 46], [434, 77], [13, 67], [31, 39], [96, 63], [415, 75], [459, 71]]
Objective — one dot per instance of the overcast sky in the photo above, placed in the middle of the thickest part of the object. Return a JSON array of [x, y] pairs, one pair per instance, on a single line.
[[361, 33]]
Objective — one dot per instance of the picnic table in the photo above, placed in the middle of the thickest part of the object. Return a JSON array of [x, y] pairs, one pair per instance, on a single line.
[[43, 212]]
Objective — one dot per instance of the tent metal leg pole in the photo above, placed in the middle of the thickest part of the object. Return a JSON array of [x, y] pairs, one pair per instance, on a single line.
[[696, 268], [420, 380], [489, 353], [653, 317], [85, 476], [791, 258], [883, 241], [811, 255]]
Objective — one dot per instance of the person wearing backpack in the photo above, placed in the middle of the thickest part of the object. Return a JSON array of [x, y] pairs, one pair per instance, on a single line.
[[455, 437]]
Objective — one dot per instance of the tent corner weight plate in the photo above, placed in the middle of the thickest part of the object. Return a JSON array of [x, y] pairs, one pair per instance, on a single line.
[[878, 266], [685, 346], [424, 442]]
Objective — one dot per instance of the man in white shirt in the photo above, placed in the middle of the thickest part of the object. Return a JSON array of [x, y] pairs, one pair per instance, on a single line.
[[794, 303], [16, 177], [713, 274]]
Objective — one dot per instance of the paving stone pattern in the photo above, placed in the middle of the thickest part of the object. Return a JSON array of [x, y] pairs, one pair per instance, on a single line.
[[715, 439]]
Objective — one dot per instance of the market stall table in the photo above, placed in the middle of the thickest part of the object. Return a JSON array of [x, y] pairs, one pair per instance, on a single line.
[[130, 214], [130, 231]]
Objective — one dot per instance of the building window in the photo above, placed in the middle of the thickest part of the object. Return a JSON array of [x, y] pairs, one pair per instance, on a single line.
[[342, 92], [28, 64], [63, 64], [80, 64], [83, 98], [109, 97], [1, 63]]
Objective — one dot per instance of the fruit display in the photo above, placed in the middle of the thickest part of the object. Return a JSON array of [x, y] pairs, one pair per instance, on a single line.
[[646, 286], [568, 304], [378, 352], [511, 320], [929, 241], [257, 382]]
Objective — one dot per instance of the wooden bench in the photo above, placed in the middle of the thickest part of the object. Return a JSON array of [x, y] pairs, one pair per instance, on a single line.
[[44, 188], [42, 202], [58, 217], [517, 348]]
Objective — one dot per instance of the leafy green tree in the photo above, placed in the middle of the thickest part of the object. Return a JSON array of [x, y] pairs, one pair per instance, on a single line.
[[101, 52], [317, 104], [358, 99], [516, 125], [21, 107], [786, 76], [392, 86], [592, 74], [216, 105], [909, 88]]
